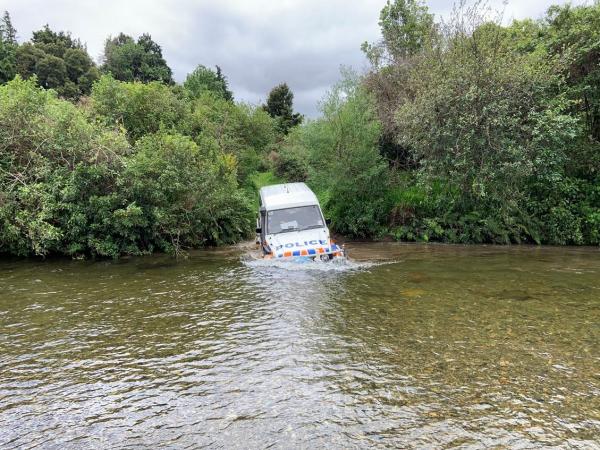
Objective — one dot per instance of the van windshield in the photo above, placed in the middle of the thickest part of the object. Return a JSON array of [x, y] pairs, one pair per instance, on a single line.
[[294, 219]]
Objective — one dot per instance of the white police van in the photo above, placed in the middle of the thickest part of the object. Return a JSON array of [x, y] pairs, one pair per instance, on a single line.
[[290, 224]]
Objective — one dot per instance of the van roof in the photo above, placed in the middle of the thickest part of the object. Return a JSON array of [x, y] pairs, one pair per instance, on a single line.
[[278, 196]]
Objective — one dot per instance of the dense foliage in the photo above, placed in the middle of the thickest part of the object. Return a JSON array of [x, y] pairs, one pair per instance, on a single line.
[[338, 155], [462, 131], [203, 79], [137, 164], [490, 132], [72, 185], [280, 106], [58, 61], [128, 60], [140, 108], [503, 149]]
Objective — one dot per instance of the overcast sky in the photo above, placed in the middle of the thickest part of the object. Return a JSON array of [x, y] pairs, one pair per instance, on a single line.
[[257, 43]]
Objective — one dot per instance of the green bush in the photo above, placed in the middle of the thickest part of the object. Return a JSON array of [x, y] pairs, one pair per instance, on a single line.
[[186, 194], [345, 167], [72, 186], [140, 108], [291, 163], [52, 161], [244, 132]]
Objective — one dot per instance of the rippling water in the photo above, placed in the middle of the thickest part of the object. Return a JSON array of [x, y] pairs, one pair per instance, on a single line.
[[407, 346]]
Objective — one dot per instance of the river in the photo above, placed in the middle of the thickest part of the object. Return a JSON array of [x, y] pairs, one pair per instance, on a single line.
[[406, 346]]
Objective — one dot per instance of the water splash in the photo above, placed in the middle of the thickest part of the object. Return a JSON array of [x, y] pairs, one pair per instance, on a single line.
[[303, 264]]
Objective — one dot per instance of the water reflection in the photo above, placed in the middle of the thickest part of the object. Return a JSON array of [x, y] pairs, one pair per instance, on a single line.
[[409, 346]]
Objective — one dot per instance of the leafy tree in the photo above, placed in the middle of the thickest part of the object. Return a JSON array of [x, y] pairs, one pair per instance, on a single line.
[[128, 60], [203, 79], [243, 132], [186, 192], [8, 62], [141, 108], [280, 105], [77, 63], [55, 43], [573, 33], [345, 167], [51, 72], [122, 58], [7, 30], [59, 62], [27, 56], [406, 27]]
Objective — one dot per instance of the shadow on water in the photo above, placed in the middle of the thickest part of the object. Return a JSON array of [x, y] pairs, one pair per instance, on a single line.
[[405, 346]]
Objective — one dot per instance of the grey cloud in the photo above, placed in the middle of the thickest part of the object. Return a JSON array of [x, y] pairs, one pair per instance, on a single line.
[[298, 46], [258, 44]]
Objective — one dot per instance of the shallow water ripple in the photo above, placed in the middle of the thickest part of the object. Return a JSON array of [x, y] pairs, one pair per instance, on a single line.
[[407, 346]]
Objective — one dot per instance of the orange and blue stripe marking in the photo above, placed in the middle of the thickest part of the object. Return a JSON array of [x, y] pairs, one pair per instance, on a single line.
[[309, 252]]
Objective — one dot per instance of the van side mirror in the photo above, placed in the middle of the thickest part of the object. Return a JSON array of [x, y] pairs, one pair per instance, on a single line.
[[258, 230], [328, 221]]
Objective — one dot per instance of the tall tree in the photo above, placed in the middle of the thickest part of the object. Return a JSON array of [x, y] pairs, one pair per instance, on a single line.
[[406, 25], [60, 62], [128, 60], [8, 49], [7, 31], [227, 94], [280, 105], [55, 43], [203, 79]]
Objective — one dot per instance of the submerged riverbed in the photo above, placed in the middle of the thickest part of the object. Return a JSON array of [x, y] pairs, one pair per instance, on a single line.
[[406, 346]]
